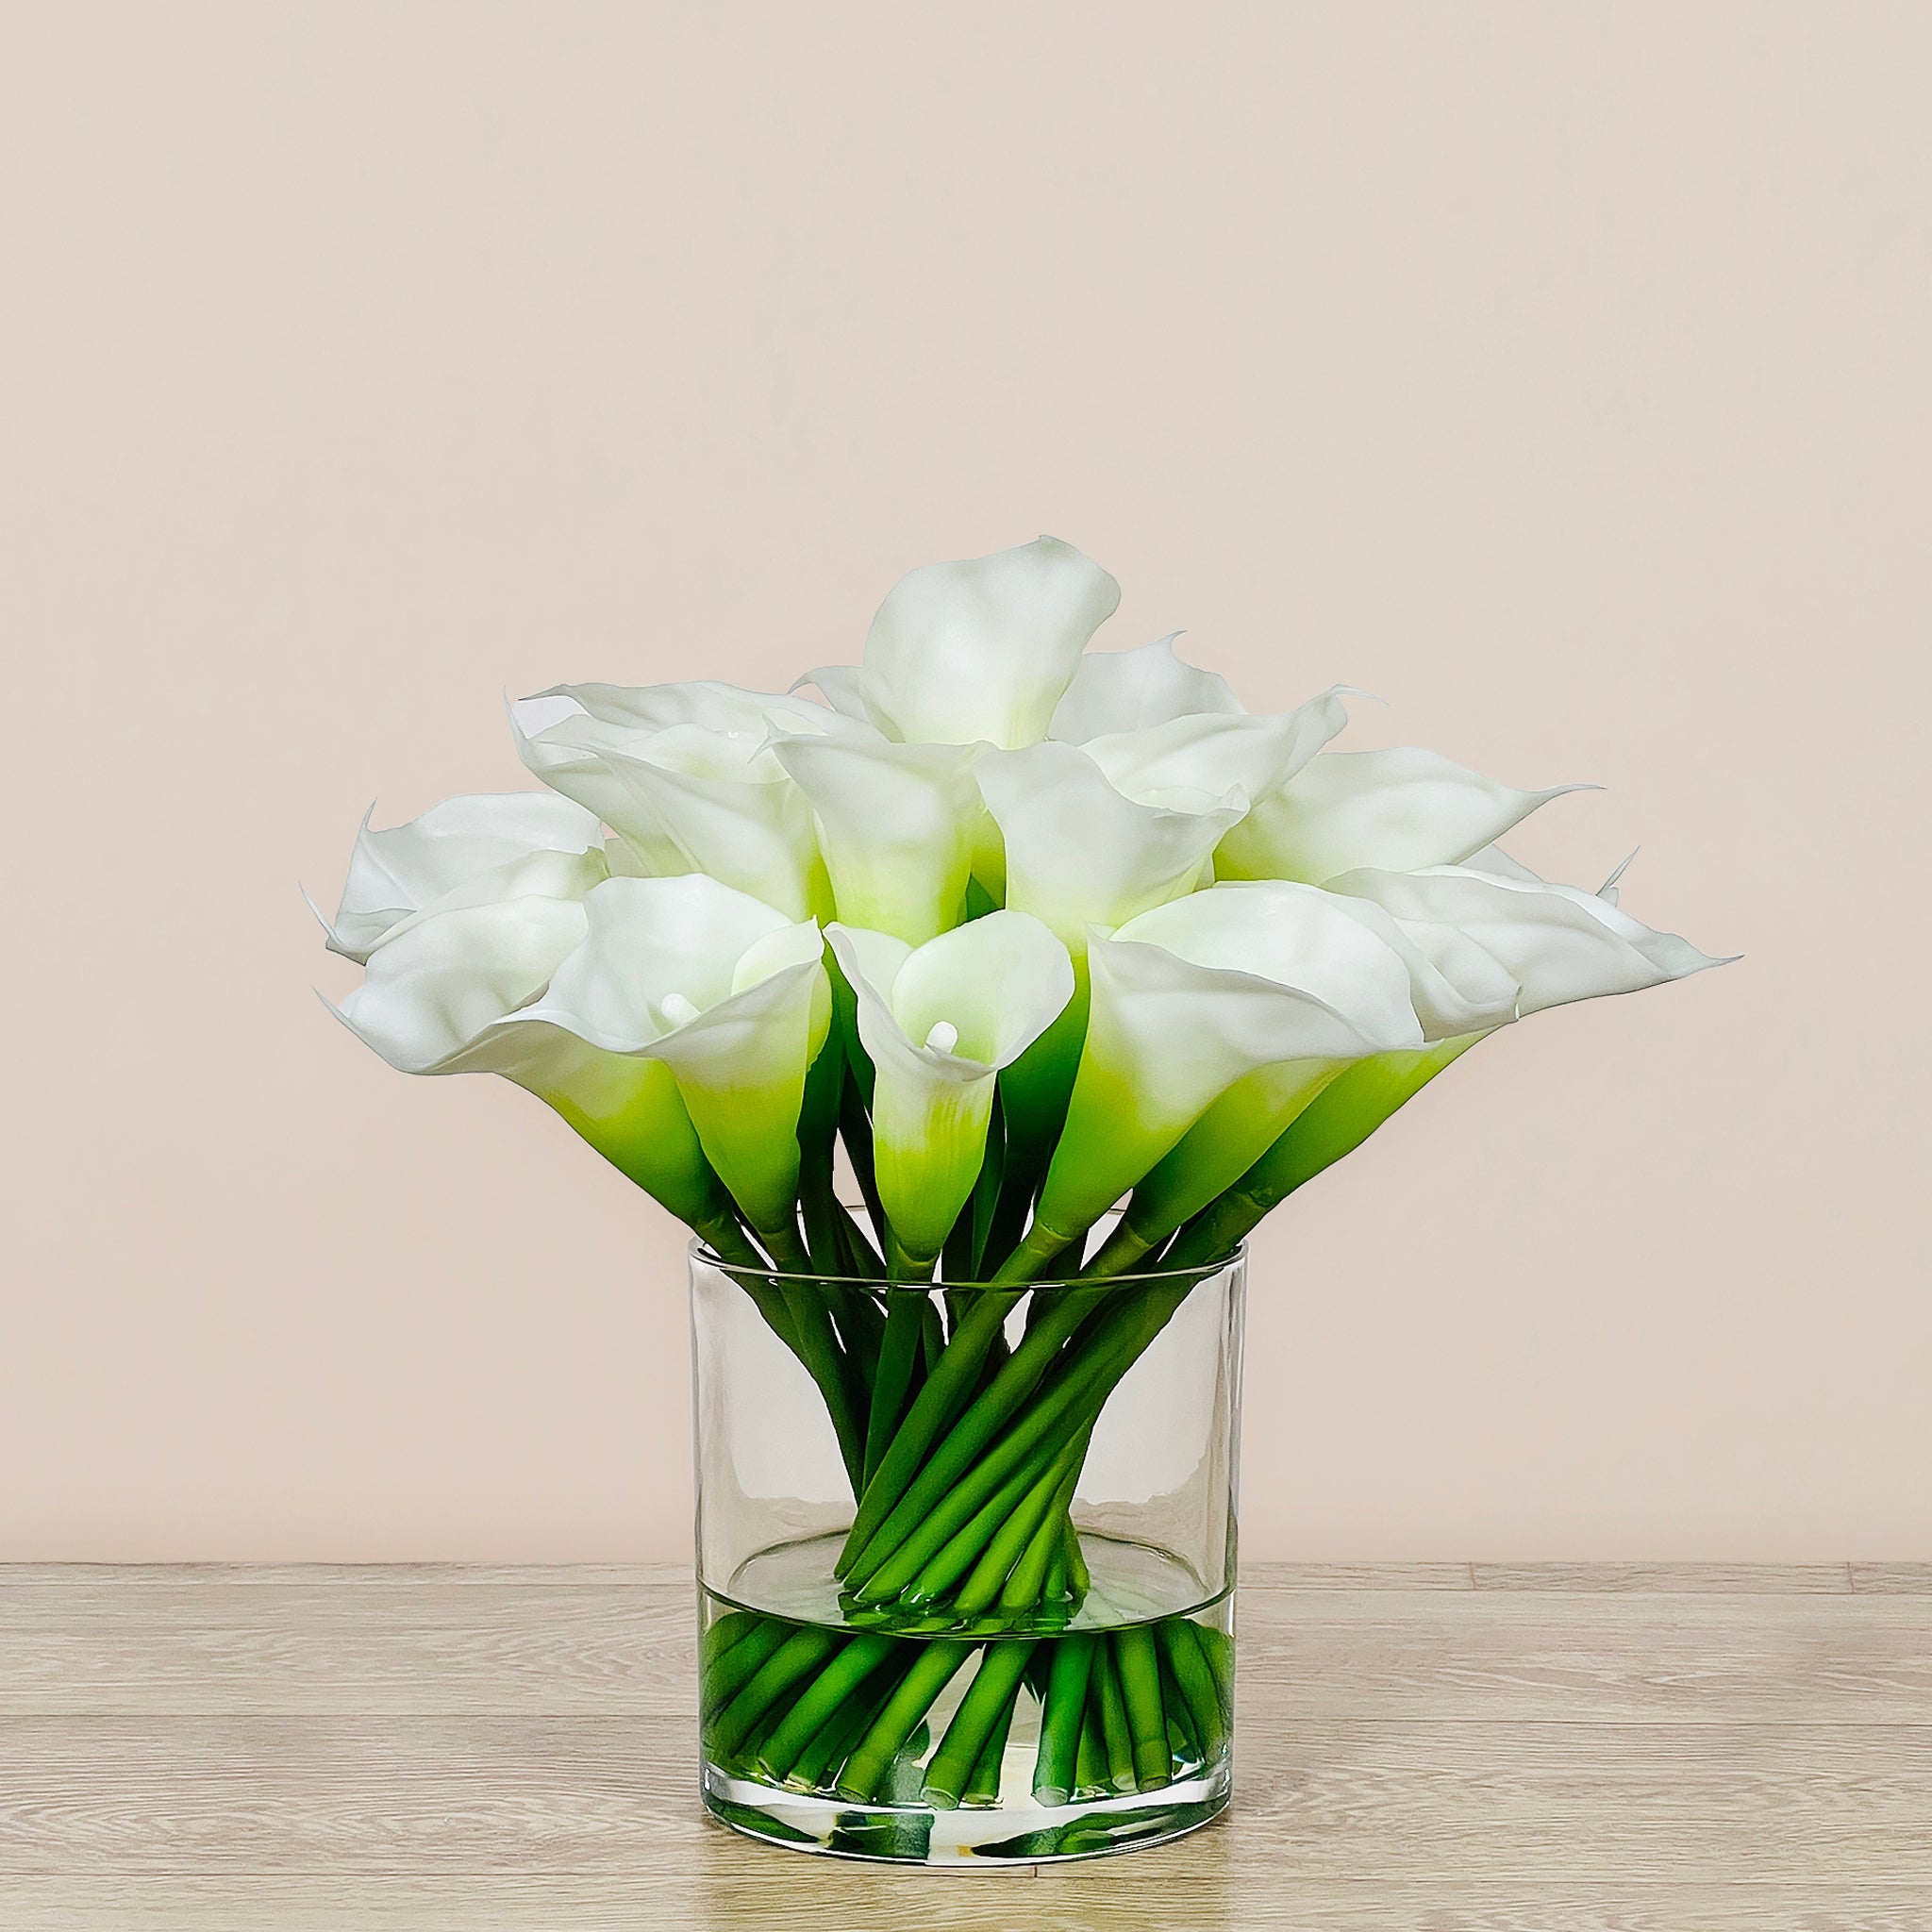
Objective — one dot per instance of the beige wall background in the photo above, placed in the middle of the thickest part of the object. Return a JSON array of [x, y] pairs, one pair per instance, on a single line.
[[1558, 373]]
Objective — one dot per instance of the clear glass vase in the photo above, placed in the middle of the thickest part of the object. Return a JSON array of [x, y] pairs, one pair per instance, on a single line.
[[966, 1560]]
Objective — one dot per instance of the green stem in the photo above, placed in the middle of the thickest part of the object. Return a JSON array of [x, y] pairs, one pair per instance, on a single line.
[[1062, 1711], [1218, 1648], [948, 1385], [1026, 1586], [817, 1347], [983, 1787], [795, 1659], [737, 1665], [957, 1555], [892, 1375], [723, 1636], [1012, 1539], [1113, 1717], [1078, 1579], [855, 1129], [1180, 1645], [819, 1764], [1140, 1667], [918, 1690], [826, 1694], [933, 1510], [987, 1706], [1089, 1757], [967, 1470], [1337, 1121]]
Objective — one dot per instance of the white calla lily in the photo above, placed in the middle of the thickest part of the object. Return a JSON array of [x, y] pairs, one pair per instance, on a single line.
[[981, 649], [1551, 943], [1193, 997], [1558, 943], [1457, 993], [729, 994], [1396, 810], [453, 994], [466, 851], [1114, 692], [939, 1021], [898, 825], [684, 775], [1188, 762], [1080, 853]]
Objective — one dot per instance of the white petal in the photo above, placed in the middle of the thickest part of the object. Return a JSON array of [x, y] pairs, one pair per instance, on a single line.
[[686, 799], [995, 983], [1079, 854], [465, 850], [649, 939], [1492, 858], [723, 709], [455, 992], [1130, 691], [429, 998], [897, 825], [984, 648], [1193, 997], [1192, 760], [840, 686], [1396, 810], [999, 980], [763, 1002], [1297, 937], [1558, 942]]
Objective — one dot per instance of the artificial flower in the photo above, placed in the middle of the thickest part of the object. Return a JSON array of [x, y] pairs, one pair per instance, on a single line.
[[468, 850], [729, 994], [938, 1022]]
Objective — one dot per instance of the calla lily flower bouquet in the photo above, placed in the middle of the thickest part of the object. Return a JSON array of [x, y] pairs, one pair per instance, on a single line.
[[1081, 968]]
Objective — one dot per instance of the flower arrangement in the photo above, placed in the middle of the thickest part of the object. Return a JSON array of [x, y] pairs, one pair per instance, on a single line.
[[1083, 969]]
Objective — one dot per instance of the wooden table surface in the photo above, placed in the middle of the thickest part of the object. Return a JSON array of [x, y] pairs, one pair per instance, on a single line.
[[1446, 1746]]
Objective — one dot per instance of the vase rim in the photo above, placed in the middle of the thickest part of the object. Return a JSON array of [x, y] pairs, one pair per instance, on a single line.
[[878, 1283]]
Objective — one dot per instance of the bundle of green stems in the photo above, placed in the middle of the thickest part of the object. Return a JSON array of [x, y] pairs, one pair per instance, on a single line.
[[962, 1440], [845, 1714]]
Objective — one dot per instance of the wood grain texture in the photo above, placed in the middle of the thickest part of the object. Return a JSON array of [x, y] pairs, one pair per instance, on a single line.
[[1670, 1580], [1358, 1576], [1322, 1800], [1452, 1747], [1903, 1579], [824, 1897]]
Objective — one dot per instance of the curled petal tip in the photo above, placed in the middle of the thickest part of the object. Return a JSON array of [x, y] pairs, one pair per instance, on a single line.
[[1607, 891]]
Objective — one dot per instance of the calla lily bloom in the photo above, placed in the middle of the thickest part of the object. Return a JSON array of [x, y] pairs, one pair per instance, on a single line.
[[1559, 944], [1459, 993], [898, 824], [1114, 692], [465, 851], [939, 1021], [452, 993], [1396, 810], [725, 992], [685, 776], [1191, 998], [979, 650], [1554, 943], [1081, 853], [1188, 760]]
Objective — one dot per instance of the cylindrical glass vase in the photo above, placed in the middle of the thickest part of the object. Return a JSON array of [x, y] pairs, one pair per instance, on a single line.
[[966, 1560]]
